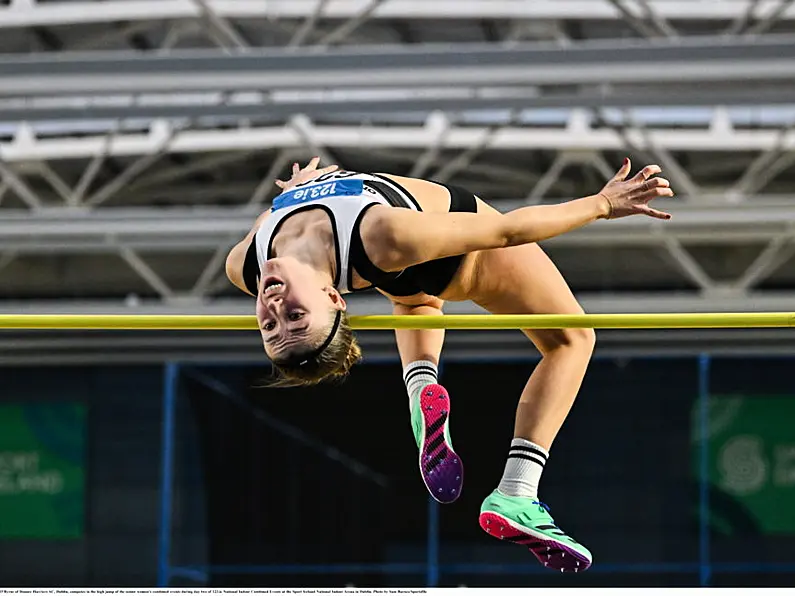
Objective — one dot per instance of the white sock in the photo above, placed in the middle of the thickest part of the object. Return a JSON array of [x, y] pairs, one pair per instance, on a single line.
[[418, 374], [523, 469]]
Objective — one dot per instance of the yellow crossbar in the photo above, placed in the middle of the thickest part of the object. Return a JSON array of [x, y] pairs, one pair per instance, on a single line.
[[241, 322]]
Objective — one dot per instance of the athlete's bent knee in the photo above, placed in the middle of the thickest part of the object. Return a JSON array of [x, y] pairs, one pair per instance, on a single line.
[[585, 339], [582, 341]]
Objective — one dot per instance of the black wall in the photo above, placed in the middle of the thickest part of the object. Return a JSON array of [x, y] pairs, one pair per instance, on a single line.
[[619, 478]]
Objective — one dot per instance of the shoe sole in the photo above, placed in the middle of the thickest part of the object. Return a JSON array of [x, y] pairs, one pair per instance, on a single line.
[[550, 552], [441, 468]]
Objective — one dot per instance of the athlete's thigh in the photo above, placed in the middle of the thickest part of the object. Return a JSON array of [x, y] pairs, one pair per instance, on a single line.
[[524, 280]]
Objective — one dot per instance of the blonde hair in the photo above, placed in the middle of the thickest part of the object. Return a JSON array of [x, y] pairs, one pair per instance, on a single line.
[[330, 364]]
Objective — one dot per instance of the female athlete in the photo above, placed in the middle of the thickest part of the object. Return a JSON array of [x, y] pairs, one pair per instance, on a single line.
[[420, 243]]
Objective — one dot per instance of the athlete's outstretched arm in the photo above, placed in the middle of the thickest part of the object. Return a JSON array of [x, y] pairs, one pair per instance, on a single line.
[[402, 237]]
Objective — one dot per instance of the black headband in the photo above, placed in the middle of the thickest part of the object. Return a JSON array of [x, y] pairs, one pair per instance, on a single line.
[[306, 358]]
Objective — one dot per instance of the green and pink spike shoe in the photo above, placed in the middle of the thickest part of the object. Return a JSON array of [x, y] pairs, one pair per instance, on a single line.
[[441, 468], [527, 522]]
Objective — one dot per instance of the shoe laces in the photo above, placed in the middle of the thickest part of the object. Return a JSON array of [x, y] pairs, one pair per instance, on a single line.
[[543, 506]]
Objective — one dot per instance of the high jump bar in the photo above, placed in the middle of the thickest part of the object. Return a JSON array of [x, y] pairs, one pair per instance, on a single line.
[[371, 322]]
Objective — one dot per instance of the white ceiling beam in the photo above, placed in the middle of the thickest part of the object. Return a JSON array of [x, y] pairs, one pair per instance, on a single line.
[[679, 177], [10, 179], [267, 185], [768, 20], [58, 185], [88, 114], [550, 177], [637, 23], [71, 13], [306, 131], [687, 265], [661, 23], [440, 124], [778, 251], [146, 272], [90, 172], [702, 60], [719, 118], [491, 175], [351, 24], [205, 228], [164, 137], [632, 82], [211, 269], [465, 159], [405, 137], [740, 21], [308, 26], [213, 161], [228, 35]]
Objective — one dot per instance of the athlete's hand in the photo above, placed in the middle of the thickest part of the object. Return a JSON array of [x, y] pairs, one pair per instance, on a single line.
[[310, 172], [632, 197]]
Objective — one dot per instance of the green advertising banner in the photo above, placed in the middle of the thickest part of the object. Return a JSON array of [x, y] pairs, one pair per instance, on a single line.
[[42, 453], [752, 456]]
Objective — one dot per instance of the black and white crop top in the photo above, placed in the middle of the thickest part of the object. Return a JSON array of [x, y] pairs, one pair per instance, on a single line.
[[345, 197]]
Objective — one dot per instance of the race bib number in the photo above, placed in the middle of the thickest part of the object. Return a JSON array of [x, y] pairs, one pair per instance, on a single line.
[[324, 190]]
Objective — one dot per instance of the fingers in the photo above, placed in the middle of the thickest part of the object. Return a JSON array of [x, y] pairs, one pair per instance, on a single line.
[[657, 183], [312, 165], [652, 183], [655, 193], [647, 173], [623, 170], [307, 173], [646, 210], [297, 169], [328, 170]]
